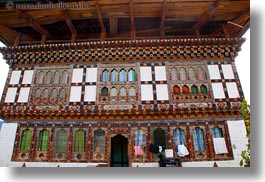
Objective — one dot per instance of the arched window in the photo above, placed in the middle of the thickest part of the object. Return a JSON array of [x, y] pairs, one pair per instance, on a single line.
[[201, 74], [104, 92], [192, 74], [132, 76], [174, 74], [45, 93], [25, 140], [53, 93], [204, 89], [62, 93], [40, 77], [139, 138], [64, 76], [105, 76], [194, 90], [122, 92], [113, 92], [48, 77], [80, 138], [132, 92], [198, 139], [183, 74], [114, 76], [123, 75], [43, 140], [217, 132], [176, 90], [61, 141], [37, 93], [56, 77], [160, 137], [179, 137], [185, 89], [99, 141]]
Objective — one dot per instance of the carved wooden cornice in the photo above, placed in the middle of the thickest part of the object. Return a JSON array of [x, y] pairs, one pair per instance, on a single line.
[[138, 50]]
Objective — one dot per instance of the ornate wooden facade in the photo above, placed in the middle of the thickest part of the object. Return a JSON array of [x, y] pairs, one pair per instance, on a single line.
[[73, 101]]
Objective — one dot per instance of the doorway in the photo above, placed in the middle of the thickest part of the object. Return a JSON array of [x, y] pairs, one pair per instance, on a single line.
[[119, 151]]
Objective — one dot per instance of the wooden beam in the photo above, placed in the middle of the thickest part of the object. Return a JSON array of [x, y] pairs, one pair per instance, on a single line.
[[113, 25], [100, 20], [206, 15], [70, 25], [18, 35], [72, 29], [162, 24], [225, 31], [36, 26], [133, 33]]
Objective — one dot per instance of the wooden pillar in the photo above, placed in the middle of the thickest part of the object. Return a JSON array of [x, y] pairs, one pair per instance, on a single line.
[[70, 143], [51, 144], [33, 150]]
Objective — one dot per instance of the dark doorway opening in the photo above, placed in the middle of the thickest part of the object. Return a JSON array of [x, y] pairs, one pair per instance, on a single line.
[[119, 151]]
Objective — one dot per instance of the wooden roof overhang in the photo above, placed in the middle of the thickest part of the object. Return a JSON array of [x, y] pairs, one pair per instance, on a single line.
[[102, 20]]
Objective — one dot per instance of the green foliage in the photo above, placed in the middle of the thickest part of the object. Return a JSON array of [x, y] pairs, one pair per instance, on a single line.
[[245, 111]]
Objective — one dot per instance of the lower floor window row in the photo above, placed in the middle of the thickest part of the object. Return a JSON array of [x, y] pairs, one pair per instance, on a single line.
[[160, 140]]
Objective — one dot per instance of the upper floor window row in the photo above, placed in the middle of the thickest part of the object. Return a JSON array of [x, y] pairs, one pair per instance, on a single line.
[[188, 73], [52, 77], [118, 76]]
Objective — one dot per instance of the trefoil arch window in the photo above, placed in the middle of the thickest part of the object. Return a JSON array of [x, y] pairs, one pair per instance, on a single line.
[[25, 140], [99, 141], [80, 138], [179, 137], [199, 139], [139, 138], [43, 140], [114, 76], [122, 75], [61, 141], [105, 76], [132, 76]]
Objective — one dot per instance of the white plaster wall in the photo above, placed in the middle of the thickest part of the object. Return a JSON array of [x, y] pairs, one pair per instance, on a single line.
[[214, 72], [27, 78], [162, 92], [145, 73], [7, 139], [91, 74], [140, 164], [11, 94], [24, 94], [218, 90], [52, 164], [147, 92], [15, 76], [228, 71], [77, 75], [232, 90], [75, 95], [90, 93], [237, 132], [160, 73]]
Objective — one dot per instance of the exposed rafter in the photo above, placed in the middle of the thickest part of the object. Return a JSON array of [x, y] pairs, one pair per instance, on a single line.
[[18, 35], [206, 15], [36, 26], [70, 26], [162, 24], [133, 33], [113, 26], [101, 23]]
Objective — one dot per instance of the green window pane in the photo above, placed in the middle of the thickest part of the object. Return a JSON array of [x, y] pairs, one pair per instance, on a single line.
[[25, 140], [79, 145], [61, 141]]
